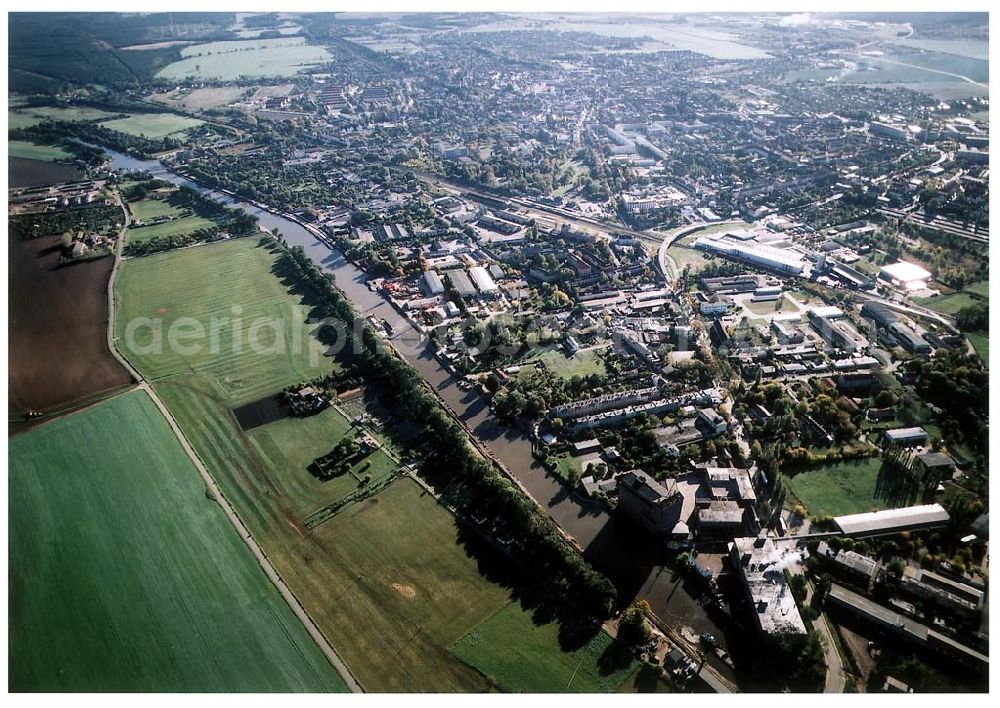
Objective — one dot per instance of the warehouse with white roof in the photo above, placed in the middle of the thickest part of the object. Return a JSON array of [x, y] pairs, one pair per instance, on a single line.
[[482, 279], [784, 260], [889, 521], [905, 275]]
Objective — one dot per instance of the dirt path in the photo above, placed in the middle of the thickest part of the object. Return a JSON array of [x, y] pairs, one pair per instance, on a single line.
[[213, 488]]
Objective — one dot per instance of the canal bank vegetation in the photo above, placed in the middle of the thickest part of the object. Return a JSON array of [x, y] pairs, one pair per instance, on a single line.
[[471, 484]]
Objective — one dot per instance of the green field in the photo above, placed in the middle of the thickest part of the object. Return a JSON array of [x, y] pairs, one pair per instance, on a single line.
[[206, 283], [34, 151], [981, 343], [152, 125], [846, 487], [71, 113], [982, 288], [525, 657], [949, 304], [391, 570], [148, 208], [18, 119], [174, 227], [183, 223], [386, 579], [229, 60], [686, 256], [583, 363], [125, 577], [289, 446]]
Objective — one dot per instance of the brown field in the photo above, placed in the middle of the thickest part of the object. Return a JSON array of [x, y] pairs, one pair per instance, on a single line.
[[58, 343], [24, 172], [200, 99]]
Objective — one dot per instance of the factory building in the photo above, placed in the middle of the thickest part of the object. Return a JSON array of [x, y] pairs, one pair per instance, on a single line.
[[482, 280], [760, 563], [431, 283], [783, 260], [655, 507], [460, 281], [891, 521], [908, 276], [905, 436]]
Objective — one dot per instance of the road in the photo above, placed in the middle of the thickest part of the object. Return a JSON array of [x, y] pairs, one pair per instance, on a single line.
[[836, 680], [663, 258], [213, 487]]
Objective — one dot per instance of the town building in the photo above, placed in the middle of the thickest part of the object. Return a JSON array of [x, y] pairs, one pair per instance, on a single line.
[[760, 563], [654, 506], [905, 437], [890, 521]]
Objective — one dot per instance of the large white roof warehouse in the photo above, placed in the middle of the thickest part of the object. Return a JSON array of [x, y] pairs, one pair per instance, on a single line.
[[873, 523], [782, 259], [909, 275]]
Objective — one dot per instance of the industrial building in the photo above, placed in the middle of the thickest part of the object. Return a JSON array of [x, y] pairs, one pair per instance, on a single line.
[[909, 276], [890, 521], [482, 280], [905, 436], [460, 281], [655, 507], [760, 563], [901, 627], [431, 283], [783, 260]]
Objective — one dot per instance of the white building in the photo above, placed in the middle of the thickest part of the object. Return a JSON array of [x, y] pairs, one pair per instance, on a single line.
[[761, 563], [784, 260], [909, 276], [482, 279]]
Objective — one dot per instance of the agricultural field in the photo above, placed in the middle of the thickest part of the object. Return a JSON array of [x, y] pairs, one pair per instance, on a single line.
[[174, 227], [388, 579], [392, 568], [182, 221], [982, 288], [25, 172], [973, 49], [153, 125], [844, 487], [71, 113], [58, 343], [125, 577], [981, 343], [229, 60], [523, 656], [215, 279], [34, 151], [200, 99], [918, 71], [949, 304], [17, 120]]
